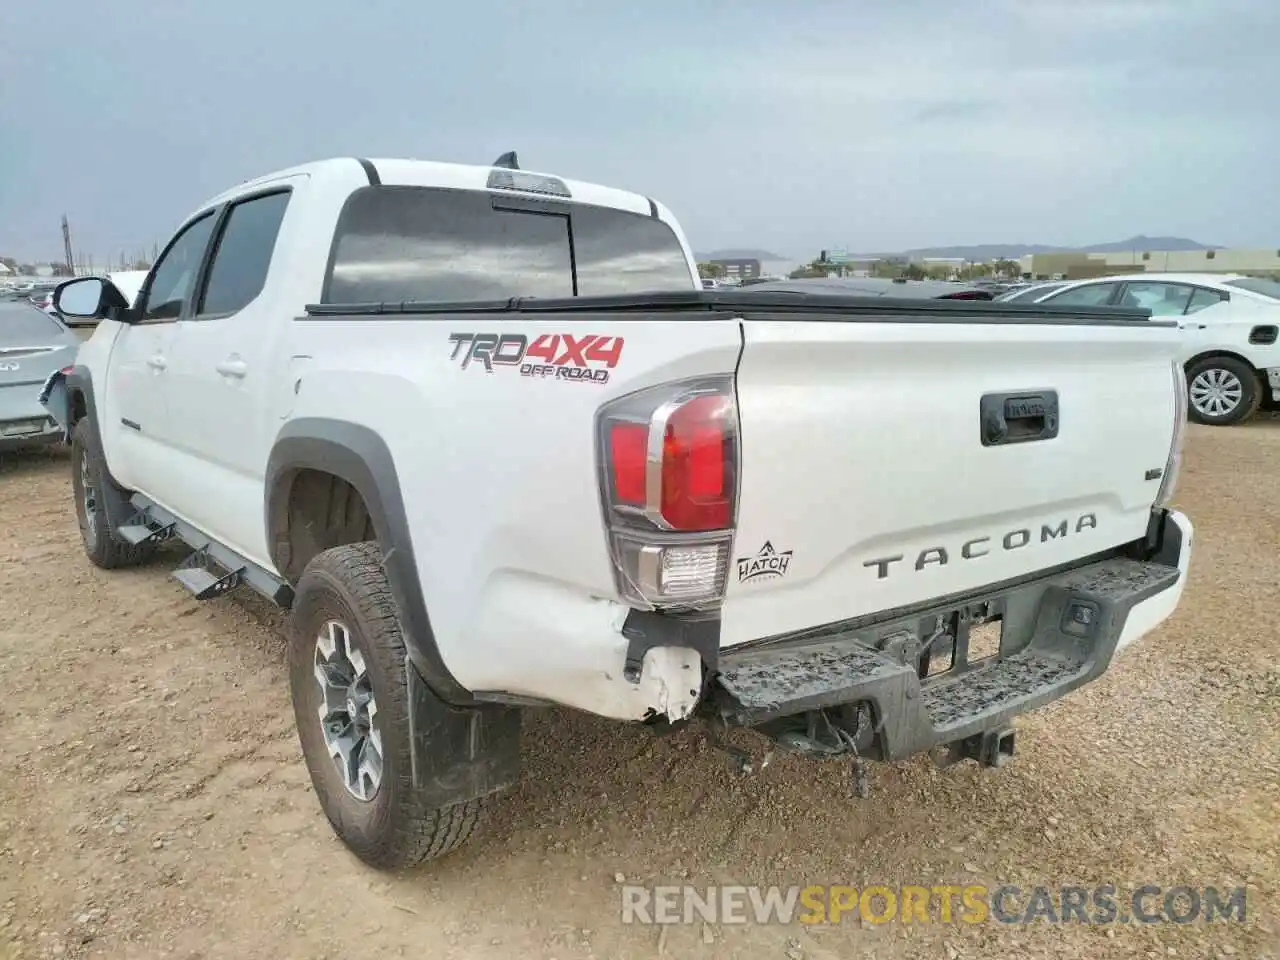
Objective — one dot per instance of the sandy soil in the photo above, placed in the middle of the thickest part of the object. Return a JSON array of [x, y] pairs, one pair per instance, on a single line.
[[153, 801]]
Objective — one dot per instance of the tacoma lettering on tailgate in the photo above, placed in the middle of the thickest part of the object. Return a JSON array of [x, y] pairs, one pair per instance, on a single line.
[[980, 546], [585, 358]]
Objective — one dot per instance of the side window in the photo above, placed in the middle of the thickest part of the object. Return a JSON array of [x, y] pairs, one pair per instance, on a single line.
[[1204, 298], [617, 252], [1090, 295], [243, 254], [1162, 299], [1032, 294], [445, 246], [174, 278]]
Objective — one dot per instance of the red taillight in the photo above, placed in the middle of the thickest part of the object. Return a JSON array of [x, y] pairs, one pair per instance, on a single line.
[[669, 480], [628, 447], [696, 467]]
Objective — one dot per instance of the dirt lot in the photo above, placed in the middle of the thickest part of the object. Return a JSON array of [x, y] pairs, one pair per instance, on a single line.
[[153, 801]]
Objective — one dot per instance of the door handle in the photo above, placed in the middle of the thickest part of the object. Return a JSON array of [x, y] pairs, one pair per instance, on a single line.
[[157, 362], [233, 368]]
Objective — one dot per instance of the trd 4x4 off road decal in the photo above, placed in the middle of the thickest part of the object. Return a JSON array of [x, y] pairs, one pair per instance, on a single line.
[[558, 356], [768, 564]]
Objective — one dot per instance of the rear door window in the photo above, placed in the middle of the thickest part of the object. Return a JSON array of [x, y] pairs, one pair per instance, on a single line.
[[1030, 295], [1090, 295], [242, 254], [1203, 297], [1162, 299], [396, 244]]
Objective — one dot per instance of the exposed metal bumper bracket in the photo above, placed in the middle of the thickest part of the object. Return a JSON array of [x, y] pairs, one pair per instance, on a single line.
[[645, 629]]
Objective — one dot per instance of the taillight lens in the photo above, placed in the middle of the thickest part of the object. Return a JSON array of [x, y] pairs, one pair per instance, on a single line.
[[628, 450], [697, 467], [669, 483]]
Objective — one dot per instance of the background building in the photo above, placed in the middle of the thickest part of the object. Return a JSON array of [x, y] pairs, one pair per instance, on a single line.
[[739, 270], [1080, 265]]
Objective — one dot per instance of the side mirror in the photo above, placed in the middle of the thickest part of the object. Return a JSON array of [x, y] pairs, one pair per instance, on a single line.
[[88, 298]]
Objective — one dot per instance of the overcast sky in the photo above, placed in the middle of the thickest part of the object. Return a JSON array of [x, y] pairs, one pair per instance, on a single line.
[[786, 125]]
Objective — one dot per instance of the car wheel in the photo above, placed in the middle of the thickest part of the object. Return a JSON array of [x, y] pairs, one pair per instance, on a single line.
[[1222, 391], [351, 703], [89, 480]]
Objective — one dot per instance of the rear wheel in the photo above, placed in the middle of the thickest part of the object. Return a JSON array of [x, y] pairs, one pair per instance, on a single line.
[[1222, 391], [351, 703], [89, 483]]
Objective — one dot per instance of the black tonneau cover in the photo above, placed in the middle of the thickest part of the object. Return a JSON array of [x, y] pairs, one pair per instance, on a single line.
[[749, 300]]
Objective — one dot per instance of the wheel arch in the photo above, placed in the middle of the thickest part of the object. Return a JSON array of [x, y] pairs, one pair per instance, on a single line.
[[358, 457], [1211, 354]]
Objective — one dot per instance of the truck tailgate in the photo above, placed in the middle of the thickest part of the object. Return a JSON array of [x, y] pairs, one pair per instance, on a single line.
[[865, 483]]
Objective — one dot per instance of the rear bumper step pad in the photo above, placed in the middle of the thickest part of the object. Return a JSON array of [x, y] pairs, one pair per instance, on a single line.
[[1057, 633]]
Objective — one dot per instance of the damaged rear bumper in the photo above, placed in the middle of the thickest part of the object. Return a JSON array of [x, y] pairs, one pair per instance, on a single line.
[[1057, 633]]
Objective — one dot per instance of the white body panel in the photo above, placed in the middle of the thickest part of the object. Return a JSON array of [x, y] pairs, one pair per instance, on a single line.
[[501, 487], [863, 443]]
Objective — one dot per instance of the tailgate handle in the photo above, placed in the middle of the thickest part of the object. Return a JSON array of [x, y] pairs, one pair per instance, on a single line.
[[1018, 417]]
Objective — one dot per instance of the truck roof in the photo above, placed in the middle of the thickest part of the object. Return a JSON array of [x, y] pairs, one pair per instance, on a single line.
[[458, 176]]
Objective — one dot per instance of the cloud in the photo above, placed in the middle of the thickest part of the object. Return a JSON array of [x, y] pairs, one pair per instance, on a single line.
[[791, 126]]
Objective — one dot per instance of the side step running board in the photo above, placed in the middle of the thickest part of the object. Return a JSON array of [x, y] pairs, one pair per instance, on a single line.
[[211, 569], [141, 532], [205, 577]]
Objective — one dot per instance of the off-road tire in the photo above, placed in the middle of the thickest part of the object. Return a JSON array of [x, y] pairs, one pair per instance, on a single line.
[[395, 828], [1250, 399], [100, 546]]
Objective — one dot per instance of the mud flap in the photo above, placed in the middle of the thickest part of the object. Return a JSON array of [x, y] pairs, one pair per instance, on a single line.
[[460, 753]]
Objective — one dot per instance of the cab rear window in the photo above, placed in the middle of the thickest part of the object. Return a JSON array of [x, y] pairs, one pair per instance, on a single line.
[[1259, 285], [423, 244]]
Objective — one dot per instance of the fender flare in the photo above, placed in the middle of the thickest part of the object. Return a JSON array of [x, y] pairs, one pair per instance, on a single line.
[[358, 455], [115, 498]]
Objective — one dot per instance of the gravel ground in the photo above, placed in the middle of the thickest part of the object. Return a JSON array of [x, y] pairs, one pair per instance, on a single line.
[[153, 801]]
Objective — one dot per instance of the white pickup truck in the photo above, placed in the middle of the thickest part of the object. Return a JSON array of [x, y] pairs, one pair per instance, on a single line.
[[485, 434]]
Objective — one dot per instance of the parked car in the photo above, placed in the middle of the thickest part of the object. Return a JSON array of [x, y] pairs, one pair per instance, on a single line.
[[33, 345], [1229, 324], [578, 478], [879, 287]]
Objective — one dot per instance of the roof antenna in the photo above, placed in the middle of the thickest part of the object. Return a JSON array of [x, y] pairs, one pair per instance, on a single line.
[[508, 161]]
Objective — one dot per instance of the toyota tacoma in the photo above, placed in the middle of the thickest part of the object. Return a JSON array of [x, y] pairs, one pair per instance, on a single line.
[[485, 434]]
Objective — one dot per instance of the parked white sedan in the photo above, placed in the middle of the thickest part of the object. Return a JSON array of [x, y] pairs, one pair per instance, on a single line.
[[1229, 323]]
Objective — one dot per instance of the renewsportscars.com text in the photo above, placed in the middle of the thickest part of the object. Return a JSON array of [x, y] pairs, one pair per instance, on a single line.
[[971, 904]]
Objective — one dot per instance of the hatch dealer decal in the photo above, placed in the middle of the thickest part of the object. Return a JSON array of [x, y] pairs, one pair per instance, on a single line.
[[556, 356], [768, 564]]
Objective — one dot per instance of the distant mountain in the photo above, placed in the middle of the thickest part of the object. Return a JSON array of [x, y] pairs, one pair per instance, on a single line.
[[1011, 251], [734, 253], [1152, 243]]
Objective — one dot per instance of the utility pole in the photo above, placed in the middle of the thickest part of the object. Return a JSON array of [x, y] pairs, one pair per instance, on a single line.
[[66, 245]]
